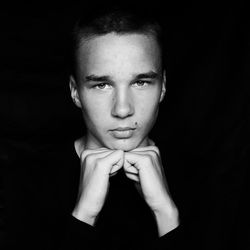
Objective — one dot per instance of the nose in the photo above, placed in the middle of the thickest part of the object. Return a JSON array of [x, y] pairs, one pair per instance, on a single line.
[[122, 104]]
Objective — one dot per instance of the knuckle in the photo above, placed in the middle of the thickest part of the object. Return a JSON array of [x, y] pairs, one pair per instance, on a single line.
[[98, 163], [148, 158], [117, 151], [84, 154], [89, 159], [156, 150], [152, 153]]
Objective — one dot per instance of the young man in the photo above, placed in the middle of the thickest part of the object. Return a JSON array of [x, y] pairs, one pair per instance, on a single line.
[[119, 80]]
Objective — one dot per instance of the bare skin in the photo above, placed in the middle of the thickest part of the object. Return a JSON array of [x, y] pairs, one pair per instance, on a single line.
[[143, 165], [120, 85], [96, 167]]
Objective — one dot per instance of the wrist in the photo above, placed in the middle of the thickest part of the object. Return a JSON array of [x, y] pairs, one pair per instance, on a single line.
[[167, 219], [84, 216]]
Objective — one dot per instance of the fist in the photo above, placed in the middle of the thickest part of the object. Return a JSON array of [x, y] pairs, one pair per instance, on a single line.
[[96, 168], [144, 166]]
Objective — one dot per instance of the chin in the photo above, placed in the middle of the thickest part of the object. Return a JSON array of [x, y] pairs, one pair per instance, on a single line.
[[124, 148], [124, 145]]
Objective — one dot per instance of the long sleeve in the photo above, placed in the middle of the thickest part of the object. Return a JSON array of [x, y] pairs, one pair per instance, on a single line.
[[80, 235], [173, 240], [84, 236]]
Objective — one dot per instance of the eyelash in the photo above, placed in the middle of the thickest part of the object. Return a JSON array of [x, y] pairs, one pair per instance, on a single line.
[[98, 86], [144, 82]]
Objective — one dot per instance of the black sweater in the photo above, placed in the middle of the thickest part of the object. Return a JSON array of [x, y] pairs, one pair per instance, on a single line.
[[41, 194], [125, 222], [211, 194]]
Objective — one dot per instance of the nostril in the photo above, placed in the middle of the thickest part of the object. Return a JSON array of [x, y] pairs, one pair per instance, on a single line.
[[122, 104], [122, 111]]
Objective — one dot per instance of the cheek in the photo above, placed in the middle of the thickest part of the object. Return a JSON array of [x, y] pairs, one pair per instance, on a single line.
[[88, 108], [90, 104], [148, 104], [147, 112], [94, 110]]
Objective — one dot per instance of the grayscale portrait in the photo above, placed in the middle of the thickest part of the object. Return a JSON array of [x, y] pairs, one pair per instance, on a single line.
[[126, 126]]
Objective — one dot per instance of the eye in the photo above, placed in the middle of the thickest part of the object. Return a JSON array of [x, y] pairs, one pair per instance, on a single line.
[[141, 83], [103, 85]]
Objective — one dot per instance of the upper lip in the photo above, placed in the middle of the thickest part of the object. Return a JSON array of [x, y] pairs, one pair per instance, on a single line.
[[122, 129]]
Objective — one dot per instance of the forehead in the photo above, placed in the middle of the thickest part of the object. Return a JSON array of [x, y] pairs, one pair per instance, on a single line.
[[119, 54]]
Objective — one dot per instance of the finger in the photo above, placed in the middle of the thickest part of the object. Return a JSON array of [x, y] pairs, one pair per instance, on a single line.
[[87, 152], [144, 163], [153, 152], [112, 174], [148, 148], [93, 150], [116, 167], [136, 159], [130, 169], [90, 159], [114, 160], [133, 177]]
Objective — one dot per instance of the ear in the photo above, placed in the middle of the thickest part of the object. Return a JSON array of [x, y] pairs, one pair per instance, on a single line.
[[163, 88], [74, 92]]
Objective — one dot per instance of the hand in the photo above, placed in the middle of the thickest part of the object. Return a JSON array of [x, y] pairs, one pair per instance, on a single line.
[[96, 167], [143, 165]]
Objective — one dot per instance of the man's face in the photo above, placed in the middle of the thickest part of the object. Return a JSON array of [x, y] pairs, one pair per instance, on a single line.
[[120, 85]]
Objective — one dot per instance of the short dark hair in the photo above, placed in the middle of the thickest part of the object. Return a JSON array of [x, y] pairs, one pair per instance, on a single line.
[[119, 20]]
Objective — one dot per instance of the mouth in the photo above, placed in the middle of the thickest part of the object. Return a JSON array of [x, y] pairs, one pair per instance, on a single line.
[[122, 132]]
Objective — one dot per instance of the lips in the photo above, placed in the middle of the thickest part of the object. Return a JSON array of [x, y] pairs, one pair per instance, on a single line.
[[122, 132], [123, 129]]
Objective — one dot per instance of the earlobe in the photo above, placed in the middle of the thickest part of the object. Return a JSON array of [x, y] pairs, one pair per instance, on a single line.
[[74, 92], [163, 89]]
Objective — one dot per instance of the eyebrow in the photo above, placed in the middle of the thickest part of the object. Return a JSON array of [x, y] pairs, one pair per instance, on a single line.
[[147, 75], [95, 78]]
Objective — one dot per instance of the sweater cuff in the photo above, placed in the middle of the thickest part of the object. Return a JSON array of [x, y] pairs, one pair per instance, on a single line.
[[171, 240], [80, 234]]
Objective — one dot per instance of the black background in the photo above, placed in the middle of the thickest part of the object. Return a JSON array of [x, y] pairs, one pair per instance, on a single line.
[[203, 126]]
